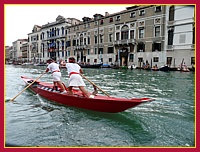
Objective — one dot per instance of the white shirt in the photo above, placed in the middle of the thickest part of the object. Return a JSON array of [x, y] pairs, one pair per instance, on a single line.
[[73, 67], [53, 67]]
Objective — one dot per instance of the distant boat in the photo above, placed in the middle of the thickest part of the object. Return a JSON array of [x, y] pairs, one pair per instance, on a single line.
[[105, 65], [164, 68], [26, 64], [132, 66], [40, 64], [91, 65]]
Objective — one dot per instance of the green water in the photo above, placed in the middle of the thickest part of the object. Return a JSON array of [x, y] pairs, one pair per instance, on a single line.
[[167, 121]]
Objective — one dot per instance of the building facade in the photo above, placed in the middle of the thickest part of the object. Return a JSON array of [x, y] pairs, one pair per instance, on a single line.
[[49, 40], [8, 50], [16, 53], [152, 34], [132, 36], [180, 35]]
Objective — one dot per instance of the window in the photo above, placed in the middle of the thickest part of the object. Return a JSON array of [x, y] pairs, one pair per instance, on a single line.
[[155, 59], [95, 50], [63, 30], [58, 31], [171, 13], [101, 22], [132, 14], [156, 46], [157, 31], [158, 9], [110, 37], [131, 57], [170, 36], [81, 39], [85, 41], [95, 39], [141, 47], [117, 18], [169, 60], [101, 38], [125, 32], [100, 51], [132, 34], [110, 60], [74, 42], [117, 36], [111, 20], [140, 59], [141, 32], [193, 39], [88, 51], [110, 50], [117, 27], [77, 42], [192, 60], [88, 40], [142, 12], [67, 43]]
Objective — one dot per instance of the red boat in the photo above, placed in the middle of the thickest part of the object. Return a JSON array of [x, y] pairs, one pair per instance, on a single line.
[[98, 103]]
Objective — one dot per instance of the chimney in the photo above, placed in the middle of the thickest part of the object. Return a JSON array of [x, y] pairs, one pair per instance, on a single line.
[[106, 13]]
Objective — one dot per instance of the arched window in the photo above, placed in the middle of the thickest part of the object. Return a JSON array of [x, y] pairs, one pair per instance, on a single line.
[[124, 32]]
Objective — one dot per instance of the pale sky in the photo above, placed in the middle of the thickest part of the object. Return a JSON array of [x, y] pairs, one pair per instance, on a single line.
[[20, 19]]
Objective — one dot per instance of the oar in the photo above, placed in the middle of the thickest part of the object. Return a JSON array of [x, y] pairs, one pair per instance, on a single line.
[[27, 87], [94, 85]]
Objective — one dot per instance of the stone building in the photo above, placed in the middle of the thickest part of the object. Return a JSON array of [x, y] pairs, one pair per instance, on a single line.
[[16, 53], [8, 50], [132, 36], [48, 41], [180, 35], [143, 34]]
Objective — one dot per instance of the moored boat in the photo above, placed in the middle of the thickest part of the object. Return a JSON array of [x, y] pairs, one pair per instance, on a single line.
[[98, 103], [164, 68], [90, 65]]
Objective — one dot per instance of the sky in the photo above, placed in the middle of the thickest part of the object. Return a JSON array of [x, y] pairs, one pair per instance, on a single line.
[[19, 20]]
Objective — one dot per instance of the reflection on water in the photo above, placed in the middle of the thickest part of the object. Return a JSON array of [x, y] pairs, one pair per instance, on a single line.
[[168, 121]]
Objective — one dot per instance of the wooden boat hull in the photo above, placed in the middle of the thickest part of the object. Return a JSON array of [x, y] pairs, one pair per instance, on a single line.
[[99, 103], [90, 65], [164, 68]]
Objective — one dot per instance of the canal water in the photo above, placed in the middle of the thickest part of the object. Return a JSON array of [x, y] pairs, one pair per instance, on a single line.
[[169, 121]]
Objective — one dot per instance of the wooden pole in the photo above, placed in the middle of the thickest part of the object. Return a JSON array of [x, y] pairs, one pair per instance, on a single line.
[[27, 87], [94, 85]]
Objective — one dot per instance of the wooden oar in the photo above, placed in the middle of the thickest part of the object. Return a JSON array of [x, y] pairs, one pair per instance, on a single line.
[[94, 85], [27, 87]]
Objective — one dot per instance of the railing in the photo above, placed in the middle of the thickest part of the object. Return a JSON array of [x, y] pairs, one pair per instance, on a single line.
[[127, 41]]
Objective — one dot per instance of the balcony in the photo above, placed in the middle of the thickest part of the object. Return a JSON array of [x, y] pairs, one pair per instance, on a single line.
[[80, 47], [123, 42]]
